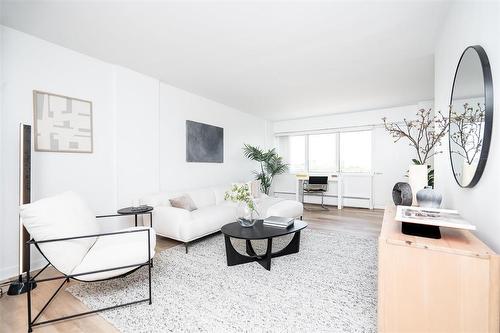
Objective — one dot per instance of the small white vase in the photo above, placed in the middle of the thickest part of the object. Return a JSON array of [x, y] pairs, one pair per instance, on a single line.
[[417, 180]]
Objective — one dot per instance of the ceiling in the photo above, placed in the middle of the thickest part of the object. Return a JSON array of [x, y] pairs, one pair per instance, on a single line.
[[275, 59]]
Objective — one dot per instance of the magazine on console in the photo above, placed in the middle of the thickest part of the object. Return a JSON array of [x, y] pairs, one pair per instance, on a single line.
[[432, 216]]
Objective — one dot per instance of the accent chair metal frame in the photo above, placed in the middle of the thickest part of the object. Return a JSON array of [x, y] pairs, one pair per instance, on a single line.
[[67, 277]]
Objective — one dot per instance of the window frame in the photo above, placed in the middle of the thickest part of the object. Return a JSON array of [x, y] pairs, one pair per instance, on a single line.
[[337, 156], [371, 153], [338, 152]]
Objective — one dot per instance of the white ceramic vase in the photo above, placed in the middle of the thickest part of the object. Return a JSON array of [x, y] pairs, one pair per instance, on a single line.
[[430, 198], [417, 180]]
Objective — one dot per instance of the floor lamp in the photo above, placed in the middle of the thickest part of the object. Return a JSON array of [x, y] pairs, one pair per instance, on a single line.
[[21, 286]]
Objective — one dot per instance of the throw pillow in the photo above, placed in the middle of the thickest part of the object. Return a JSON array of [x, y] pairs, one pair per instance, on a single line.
[[184, 202], [254, 186]]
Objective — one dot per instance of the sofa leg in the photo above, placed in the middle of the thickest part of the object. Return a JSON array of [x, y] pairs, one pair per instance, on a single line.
[[186, 244]]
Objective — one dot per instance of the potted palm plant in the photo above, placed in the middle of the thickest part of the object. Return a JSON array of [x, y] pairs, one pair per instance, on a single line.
[[271, 165]]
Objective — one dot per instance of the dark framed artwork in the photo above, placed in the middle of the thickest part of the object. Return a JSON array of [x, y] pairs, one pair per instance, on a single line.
[[204, 143]]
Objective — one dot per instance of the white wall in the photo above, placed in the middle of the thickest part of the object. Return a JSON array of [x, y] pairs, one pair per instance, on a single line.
[[177, 106], [390, 160], [31, 63], [471, 23], [137, 133], [2, 128], [125, 164]]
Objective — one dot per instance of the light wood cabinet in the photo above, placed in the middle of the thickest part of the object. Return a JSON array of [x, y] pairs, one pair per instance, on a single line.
[[436, 285]]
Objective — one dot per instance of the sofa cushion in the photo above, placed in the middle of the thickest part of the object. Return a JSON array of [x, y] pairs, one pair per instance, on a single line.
[[263, 203], [60, 216], [209, 219], [285, 208], [254, 186], [202, 198], [157, 199], [220, 192], [114, 251], [183, 202]]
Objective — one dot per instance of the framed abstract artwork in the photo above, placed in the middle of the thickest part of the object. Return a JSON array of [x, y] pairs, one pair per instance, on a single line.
[[204, 143], [61, 123]]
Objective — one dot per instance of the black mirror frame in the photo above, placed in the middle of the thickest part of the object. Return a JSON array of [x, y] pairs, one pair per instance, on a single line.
[[488, 120]]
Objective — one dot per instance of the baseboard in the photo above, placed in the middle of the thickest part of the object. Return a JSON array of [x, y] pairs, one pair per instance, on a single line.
[[11, 272], [330, 200]]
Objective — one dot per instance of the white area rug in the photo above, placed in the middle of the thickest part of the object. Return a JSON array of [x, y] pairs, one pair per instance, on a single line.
[[330, 285]]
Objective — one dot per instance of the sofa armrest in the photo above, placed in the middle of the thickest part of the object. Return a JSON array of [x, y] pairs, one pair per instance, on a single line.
[[169, 221]]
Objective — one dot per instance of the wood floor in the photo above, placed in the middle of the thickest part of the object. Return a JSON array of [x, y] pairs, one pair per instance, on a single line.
[[13, 308]]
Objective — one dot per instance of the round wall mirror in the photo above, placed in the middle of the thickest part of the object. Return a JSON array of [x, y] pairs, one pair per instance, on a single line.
[[471, 116]]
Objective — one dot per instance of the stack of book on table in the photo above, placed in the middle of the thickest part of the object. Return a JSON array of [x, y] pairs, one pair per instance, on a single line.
[[278, 222]]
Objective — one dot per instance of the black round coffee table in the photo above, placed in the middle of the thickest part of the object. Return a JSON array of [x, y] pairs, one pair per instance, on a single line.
[[260, 231]]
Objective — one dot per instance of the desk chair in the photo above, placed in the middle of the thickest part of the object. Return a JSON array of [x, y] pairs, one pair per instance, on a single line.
[[316, 185]]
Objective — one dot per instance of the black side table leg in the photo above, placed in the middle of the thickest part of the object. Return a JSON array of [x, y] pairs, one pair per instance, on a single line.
[[135, 217]]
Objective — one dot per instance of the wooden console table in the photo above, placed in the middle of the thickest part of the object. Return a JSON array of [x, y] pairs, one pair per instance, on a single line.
[[436, 285]]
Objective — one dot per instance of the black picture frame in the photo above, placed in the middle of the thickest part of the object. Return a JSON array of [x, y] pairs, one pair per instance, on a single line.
[[488, 120]]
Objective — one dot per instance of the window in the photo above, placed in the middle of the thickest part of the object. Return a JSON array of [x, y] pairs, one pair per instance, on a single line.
[[293, 150], [323, 153], [327, 153], [355, 151]]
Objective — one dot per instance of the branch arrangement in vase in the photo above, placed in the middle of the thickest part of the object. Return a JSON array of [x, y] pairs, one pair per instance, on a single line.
[[271, 165], [241, 194], [467, 132], [424, 133]]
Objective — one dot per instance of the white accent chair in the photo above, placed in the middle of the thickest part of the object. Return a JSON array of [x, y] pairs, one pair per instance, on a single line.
[[213, 212], [67, 234]]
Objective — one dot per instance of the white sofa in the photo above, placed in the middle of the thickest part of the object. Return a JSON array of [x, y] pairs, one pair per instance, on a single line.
[[211, 214]]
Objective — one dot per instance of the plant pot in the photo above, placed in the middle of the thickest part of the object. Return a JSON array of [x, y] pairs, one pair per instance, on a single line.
[[417, 178]]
